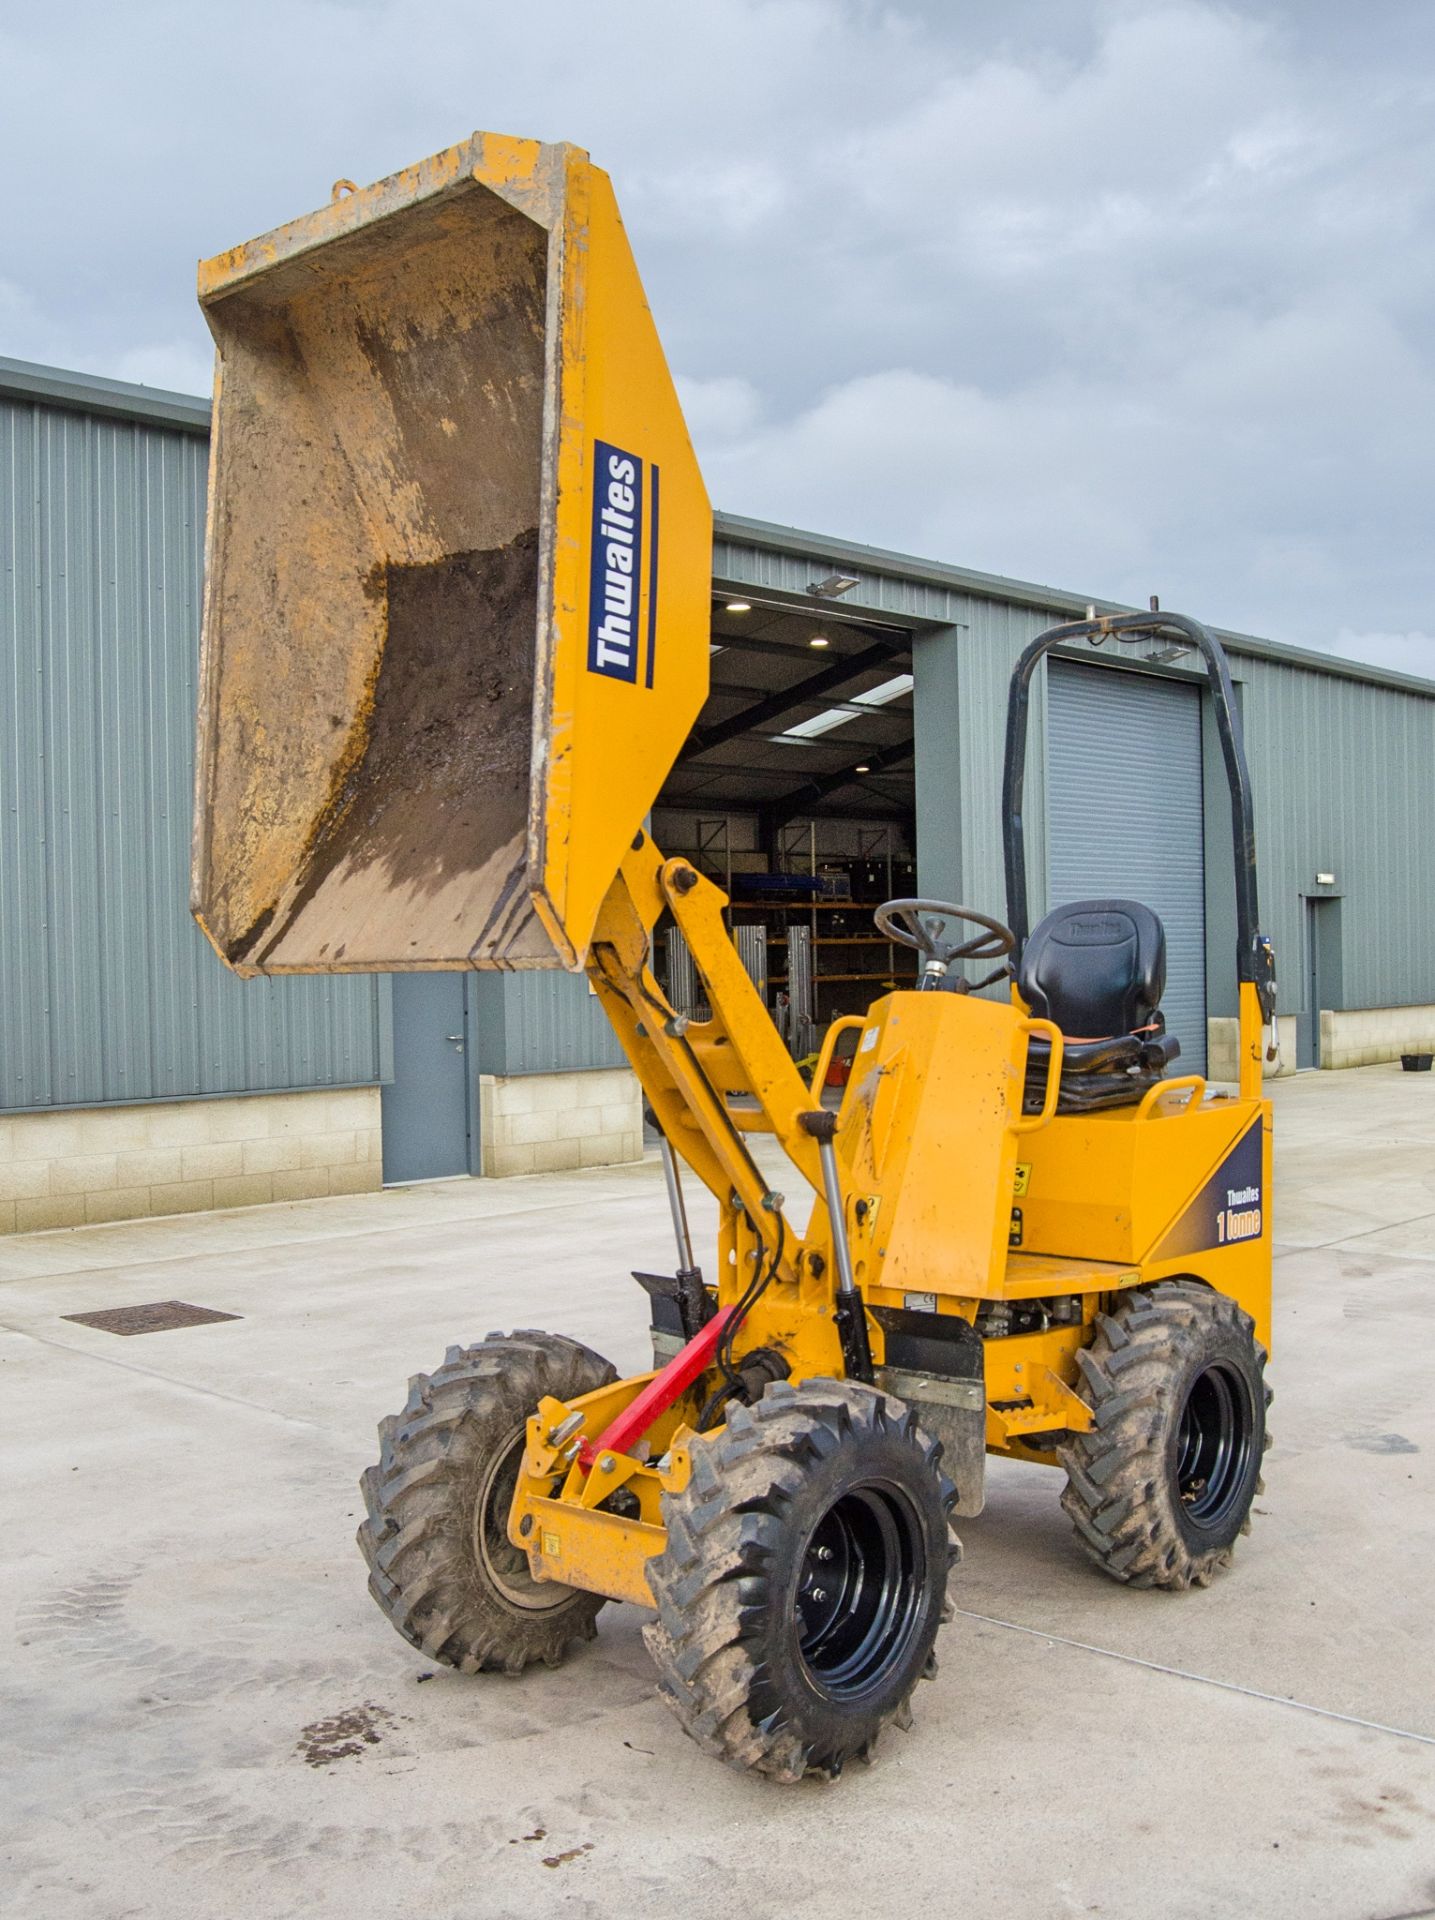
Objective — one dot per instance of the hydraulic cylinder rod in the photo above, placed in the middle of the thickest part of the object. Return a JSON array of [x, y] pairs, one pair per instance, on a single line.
[[850, 1313], [686, 1263], [693, 1299]]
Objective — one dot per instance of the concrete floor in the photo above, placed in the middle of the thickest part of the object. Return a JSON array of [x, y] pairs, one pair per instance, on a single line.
[[196, 1664]]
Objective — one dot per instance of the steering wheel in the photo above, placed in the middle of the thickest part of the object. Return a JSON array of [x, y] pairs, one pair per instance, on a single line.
[[921, 924]]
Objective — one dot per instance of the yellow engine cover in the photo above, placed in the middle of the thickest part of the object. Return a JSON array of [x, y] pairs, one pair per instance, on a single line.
[[929, 1133]]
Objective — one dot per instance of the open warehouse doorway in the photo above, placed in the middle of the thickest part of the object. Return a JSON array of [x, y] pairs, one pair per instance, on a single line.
[[795, 793]]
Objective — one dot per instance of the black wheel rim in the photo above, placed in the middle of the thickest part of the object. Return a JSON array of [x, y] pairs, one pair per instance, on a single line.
[[859, 1591], [1215, 1439]]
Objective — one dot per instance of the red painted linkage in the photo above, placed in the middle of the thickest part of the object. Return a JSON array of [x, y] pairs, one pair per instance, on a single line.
[[623, 1433]]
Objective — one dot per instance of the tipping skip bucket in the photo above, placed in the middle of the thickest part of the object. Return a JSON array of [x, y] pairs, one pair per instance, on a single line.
[[459, 566]]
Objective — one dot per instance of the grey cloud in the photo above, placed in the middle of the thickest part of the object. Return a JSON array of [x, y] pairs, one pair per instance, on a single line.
[[1128, 296]]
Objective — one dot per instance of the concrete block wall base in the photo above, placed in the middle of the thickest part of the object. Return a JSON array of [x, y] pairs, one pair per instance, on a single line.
[[80, 1165], [554, 1122], [1222, 1048], [1366, 1036]]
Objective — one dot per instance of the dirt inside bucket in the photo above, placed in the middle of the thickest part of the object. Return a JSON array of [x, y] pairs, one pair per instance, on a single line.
[[439, 784]]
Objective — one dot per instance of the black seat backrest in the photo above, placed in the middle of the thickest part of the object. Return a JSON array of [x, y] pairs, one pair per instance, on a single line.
[[1096, 968]]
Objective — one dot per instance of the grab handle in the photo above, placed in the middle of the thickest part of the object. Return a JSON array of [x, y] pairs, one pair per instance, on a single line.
[[1190, 1083], [829, 1047], [1029, 1124]]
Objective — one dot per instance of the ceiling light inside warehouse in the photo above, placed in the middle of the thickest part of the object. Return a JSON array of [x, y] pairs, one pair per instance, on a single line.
[[831, 717]]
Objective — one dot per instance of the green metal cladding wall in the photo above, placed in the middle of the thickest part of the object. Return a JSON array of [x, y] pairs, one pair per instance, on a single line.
[[540, 1022], [1344, 779], [108, 992], [1342, 763]]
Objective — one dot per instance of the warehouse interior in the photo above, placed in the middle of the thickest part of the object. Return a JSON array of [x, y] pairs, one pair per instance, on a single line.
[[796, 794], [809, 714]]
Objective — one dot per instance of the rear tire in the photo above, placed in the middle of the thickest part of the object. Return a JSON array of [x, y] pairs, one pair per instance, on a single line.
[[804, 1579], [1161, 1487], [435, 1537]]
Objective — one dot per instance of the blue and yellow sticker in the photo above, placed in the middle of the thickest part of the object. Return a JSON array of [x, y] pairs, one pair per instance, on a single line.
[[1230, 1207]]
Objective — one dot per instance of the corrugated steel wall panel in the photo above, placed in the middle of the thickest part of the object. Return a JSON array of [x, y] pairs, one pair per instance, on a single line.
[[961, 743], [762, 567], [108, 992], [1125, 817], [541, 1022], [988, 651], [1344, 780]]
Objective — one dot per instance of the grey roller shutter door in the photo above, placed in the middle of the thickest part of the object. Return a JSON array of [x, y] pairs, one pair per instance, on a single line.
[[1124, 817]]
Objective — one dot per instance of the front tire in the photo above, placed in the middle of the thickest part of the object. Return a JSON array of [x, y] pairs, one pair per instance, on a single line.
[[1161, 1487], [804, 1579], [435, 1537]]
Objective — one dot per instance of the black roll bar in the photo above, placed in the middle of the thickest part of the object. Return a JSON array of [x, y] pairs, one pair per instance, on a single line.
[[1255, 961]]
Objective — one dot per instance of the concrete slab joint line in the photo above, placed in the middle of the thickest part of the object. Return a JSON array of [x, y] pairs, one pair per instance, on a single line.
[[1202, 1679]]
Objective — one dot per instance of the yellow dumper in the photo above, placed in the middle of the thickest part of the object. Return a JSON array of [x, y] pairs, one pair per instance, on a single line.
[[456, 633]]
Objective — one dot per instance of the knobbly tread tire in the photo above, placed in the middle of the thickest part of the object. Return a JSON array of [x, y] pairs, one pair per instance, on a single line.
[[716, 1638], [420, 1500], [1121, 1492]]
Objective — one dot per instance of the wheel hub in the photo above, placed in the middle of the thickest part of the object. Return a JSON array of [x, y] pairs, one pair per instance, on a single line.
[[1213, 1445], [859, 1591]]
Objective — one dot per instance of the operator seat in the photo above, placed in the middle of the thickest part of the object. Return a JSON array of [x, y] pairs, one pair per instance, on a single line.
[[1098, 969]]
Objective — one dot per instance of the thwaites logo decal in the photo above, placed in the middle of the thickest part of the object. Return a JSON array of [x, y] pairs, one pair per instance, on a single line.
[[1230, 1207], [623, 598]]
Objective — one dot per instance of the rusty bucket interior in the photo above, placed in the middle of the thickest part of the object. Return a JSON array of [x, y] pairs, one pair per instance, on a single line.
[[442, 419], [373, 595], [409, 756]]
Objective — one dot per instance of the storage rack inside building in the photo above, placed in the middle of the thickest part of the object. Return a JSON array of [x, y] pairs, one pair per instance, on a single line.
[[805, 931]]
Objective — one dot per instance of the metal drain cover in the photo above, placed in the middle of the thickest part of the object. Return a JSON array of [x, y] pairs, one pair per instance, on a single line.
[[158, 1317]]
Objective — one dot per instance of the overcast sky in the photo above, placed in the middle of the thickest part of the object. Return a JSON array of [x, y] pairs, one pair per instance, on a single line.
[[1125, 297]]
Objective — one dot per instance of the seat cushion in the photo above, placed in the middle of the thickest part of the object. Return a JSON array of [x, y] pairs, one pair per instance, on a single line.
[[1100, 1073], [1096, 968]]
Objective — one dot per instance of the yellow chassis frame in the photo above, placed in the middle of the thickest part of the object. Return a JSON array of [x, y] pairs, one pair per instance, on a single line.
[[1118, 1186]]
